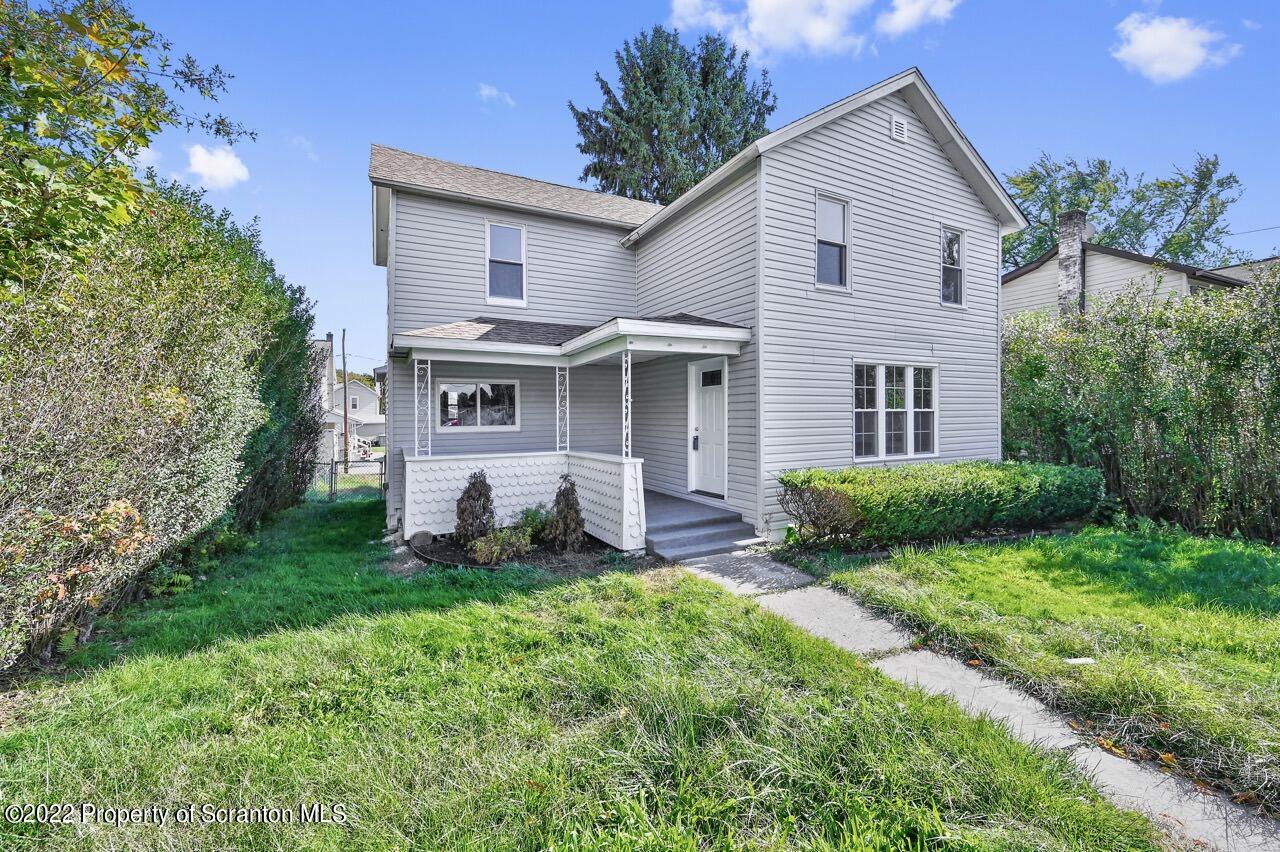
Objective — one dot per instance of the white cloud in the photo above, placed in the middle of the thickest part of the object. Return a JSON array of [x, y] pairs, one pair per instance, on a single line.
[[770, 27], [1165, 50], [907, 15], [1250, 24], [304, 145], [489, 93], [146, 157], [217, 168]]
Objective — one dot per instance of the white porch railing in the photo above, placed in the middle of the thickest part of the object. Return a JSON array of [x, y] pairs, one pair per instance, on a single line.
[[610, 489]]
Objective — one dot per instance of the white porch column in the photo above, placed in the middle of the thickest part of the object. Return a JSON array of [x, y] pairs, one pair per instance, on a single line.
[[626, 403], [422, 407], [562, 409]]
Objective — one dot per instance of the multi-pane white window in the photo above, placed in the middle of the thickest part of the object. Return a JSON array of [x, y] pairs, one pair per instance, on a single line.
[[833, 248], [952, 266], [866, 414], [355, 403], [894, 410], [505, 277], [471, 406]]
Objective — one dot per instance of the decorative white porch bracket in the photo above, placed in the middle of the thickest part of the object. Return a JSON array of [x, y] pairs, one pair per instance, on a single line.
[[422, 407], [562, 409], [626, 403]]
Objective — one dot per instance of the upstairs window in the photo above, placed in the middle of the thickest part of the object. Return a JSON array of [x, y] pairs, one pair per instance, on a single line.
[[506, 264], [952, 266], [894, 410], [833, 238], [355, 403]]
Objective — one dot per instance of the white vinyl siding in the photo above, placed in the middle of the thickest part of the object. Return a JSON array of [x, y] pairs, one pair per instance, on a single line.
[[811, 337], [703, 264], [1034, 291], [1106, 276]]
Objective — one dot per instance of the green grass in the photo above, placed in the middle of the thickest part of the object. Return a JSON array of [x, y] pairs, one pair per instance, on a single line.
[[505, 709], [1185, 632]]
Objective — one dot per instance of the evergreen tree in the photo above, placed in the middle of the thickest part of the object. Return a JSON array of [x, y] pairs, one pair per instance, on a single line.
[[679, 113]]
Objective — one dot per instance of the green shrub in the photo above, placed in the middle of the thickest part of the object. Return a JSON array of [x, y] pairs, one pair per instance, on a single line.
[[1175, 401], [475, 510], [567, 530], [501, 545], [928, 502], [535, 519]]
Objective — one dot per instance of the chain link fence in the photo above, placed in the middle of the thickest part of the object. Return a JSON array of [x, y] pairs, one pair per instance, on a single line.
[[356, 479]]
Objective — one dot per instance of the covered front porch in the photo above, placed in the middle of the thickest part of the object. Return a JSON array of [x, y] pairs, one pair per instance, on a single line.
[[530, 402]]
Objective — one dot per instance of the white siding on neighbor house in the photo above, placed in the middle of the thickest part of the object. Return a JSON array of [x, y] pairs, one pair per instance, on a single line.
[[595, 415], [1106, 276], [703, 264], [1034, 291], [899, 196], [575, 273]]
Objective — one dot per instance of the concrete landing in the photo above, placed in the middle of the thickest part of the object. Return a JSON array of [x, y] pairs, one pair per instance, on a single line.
[[746, 573]]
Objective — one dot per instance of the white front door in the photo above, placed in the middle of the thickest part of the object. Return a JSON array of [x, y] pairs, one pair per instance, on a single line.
[[707, 427]]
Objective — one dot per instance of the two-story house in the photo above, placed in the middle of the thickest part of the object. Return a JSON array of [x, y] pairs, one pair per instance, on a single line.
[[828, 297]]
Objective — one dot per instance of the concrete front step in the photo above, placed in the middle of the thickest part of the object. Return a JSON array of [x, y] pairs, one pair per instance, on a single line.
[[702, 539]]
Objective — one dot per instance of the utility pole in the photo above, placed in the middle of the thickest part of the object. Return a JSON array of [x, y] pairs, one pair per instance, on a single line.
[[346, 409]]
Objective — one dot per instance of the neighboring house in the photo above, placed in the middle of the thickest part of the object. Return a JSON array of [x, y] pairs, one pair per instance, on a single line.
[[1248, 271], [827, 297], [361, 403], [1076, 271]]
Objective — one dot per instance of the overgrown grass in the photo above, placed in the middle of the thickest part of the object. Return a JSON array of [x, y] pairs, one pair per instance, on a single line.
[[475, 709], [1185, 632]]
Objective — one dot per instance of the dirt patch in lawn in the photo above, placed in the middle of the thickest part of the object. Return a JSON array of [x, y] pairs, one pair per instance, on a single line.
[[595, 558]]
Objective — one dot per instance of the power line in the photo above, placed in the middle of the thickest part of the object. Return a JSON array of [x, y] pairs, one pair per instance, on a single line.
[[1254, 231]]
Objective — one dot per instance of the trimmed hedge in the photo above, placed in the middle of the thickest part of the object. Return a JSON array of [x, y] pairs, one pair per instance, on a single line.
[[927, 502]]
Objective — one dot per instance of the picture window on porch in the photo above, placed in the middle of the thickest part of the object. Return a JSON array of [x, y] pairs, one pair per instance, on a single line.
[[476, 406]]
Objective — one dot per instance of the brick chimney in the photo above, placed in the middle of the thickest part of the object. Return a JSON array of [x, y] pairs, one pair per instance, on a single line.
[[1072, 232]]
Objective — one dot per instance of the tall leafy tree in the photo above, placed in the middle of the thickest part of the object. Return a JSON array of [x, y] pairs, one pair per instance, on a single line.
[[1178, 218], [677, 115], [84, 86]]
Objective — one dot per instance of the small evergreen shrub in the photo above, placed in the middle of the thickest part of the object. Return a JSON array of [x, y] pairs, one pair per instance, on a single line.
[[475, 510], [566, 531], [927, 502], [501, 545], [535, 520]]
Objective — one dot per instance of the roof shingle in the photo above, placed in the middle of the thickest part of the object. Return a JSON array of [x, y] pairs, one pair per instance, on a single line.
[[495, 330], [427, 173]]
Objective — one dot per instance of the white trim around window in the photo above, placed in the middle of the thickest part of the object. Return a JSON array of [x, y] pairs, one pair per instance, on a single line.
[[959, 270], [489, 298], [913, 417], [436, 411], [846, 265]]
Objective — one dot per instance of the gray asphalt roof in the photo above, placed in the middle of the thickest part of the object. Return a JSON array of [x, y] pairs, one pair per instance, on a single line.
[[405, 168]]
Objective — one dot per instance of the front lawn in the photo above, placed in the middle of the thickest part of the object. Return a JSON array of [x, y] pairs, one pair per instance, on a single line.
[[509, 709], [1184, 634]]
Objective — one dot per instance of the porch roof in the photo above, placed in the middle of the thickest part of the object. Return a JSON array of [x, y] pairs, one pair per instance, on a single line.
[[499, 340]]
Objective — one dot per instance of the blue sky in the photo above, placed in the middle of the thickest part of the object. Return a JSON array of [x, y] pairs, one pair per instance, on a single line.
[[1147, 85]]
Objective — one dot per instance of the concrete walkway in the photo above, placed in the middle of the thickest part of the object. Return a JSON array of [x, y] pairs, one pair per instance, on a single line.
[[1201, 818]]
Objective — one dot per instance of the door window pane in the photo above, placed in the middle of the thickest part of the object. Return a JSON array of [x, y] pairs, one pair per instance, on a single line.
[[712, 378]]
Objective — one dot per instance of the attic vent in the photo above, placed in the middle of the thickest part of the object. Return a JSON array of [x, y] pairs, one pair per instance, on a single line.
[[897, 129]]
